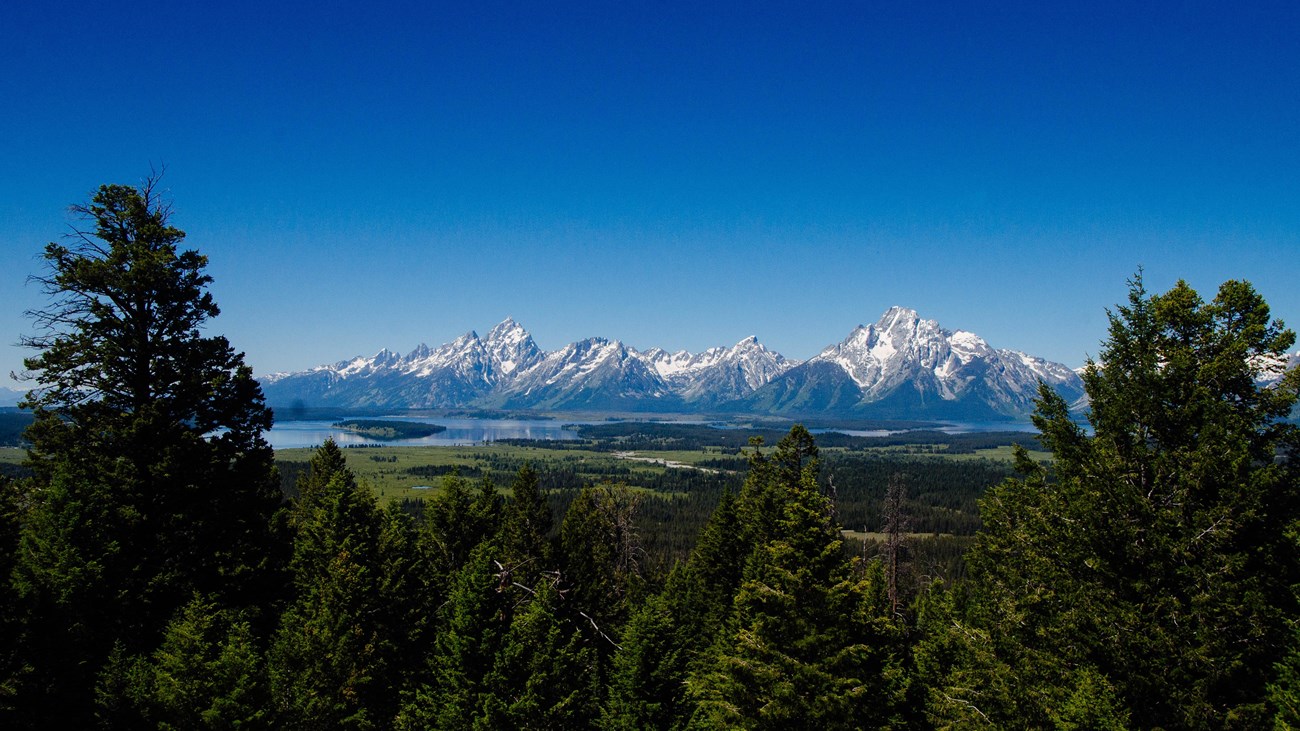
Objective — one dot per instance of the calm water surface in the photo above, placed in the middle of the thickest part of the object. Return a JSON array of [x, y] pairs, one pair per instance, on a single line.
[[463, 431], [950, 427], [460, 431]]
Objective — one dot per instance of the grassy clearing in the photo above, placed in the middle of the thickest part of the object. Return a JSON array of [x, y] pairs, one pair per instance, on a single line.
[[1006, 454], [12, 455], [388, 470]]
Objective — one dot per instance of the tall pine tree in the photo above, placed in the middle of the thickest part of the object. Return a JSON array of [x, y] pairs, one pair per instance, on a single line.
[[327, 659], [152, 481], [810, 643], [526, 528], [1155, 564]]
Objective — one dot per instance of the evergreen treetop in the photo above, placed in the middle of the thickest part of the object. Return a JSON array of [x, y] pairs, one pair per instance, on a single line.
[[152, 482], [1156, 560]]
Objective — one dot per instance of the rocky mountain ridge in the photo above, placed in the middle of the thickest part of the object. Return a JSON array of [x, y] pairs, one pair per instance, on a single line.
[[902, 366]]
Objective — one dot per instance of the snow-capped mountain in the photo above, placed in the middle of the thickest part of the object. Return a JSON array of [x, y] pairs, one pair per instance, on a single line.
[[511, 350], [595, 374], [901, 366], [719, 375], [452, 375], [905, 366], [507, 370]]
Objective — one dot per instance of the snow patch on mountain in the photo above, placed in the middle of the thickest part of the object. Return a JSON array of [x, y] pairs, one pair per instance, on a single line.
[[902, 358], [904, 364]]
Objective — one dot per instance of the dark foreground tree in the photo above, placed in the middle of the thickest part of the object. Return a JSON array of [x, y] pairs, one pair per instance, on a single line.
[[526, 527], [1151, 582], [810, 643], [206, 674], [152, 481], [602, 555], [327, 658], [673, 631]]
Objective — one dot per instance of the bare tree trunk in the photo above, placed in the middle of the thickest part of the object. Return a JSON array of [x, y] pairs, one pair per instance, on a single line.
[[895, 534]]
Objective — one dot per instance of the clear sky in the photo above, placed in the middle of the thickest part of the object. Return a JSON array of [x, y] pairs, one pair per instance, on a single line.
[[368, 175]]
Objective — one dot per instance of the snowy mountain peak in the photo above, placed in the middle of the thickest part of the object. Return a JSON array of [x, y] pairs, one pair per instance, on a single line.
[[1269, 370], [421, 351], [904, 353], [718, 374], [511, 349], [895, 316], [901, 365], [508, 331]]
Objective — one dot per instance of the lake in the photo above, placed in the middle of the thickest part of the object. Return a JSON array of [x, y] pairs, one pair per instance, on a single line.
[[460, 431], [466, 431], [948, 427]]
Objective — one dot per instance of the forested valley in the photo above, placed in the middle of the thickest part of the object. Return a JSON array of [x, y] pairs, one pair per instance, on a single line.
[[162, 572]]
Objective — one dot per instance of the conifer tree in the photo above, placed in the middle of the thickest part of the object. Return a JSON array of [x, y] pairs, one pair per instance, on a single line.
[[450, 692], [409, 597], [206, 674], [1157, 567], [603, 555], [670, 634], [152, 481], [713, 572], [458, 521], [526, 527], [546, 674], [12, 663], [1284, 689], [326, 462], [327, 659], [647, 680], [809, 644]]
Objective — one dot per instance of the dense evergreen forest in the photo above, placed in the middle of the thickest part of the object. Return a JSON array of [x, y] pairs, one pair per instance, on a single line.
[[159, 577]]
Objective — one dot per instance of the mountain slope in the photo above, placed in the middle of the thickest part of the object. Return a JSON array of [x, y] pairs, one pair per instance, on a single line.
[[905, 366], [594, 374], [902, 366], [718, 375]]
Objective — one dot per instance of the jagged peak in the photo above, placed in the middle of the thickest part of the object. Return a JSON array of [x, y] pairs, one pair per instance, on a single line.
[[507, 327], [586, 345], [897, 316], [899, 312], [507, 366], [861, 334]]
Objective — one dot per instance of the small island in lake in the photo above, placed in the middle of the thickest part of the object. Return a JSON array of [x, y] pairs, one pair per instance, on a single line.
[[390, 429]]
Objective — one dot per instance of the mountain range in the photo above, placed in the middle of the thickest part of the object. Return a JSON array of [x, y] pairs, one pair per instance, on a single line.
[[901, 367]]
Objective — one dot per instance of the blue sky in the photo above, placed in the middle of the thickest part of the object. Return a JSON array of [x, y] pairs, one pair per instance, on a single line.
[[384, 174]]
